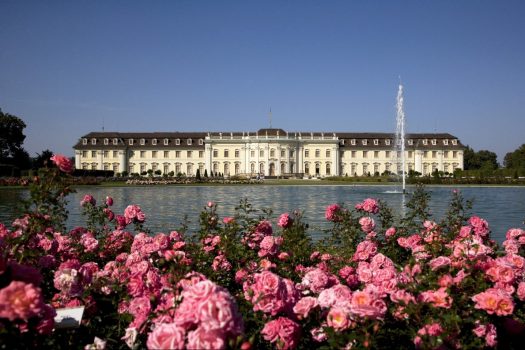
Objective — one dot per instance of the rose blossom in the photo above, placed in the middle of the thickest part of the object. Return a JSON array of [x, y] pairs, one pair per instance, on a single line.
[[285, 220], [367, 224], [166, 336], [282, 331], [332, 213], [20, 300], [88, 199], [63, 163], [228, 220], [304, 306]]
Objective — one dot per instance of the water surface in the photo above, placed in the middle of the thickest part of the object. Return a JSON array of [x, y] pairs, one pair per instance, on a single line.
[[166, 206]]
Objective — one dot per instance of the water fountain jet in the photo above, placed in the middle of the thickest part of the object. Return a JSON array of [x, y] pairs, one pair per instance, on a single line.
[[400, 136]]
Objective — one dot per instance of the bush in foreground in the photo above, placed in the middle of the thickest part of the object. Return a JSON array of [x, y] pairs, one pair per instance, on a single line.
[[258, 281]]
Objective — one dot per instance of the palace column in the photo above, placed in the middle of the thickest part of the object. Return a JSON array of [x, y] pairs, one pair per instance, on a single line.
[[208, 154], [122, 161], [78, 164], [418, 164]]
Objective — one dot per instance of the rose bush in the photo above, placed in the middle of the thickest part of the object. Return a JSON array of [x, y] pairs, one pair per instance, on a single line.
[[255, 280]]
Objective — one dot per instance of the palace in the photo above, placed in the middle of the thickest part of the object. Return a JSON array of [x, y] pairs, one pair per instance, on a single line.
[[269, 152]]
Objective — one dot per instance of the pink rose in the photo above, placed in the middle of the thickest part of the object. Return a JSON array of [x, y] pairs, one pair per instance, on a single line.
[[63, 163], [285, 220], [304, 306], [228, 220], [333, 212], [166, 336], [20, 300]]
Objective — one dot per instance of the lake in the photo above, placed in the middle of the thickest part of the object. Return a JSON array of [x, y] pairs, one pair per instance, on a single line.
[[166, 206]]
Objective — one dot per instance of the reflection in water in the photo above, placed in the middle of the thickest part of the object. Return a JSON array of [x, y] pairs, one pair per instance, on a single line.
[[167, 206]]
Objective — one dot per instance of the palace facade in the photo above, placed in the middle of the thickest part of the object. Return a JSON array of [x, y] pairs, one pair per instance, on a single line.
[[270, 152]]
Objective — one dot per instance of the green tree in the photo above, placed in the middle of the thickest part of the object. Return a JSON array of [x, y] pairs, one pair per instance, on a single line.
[[198, 175], [483, 159], [42, 159], [516, 159], [11, 139]]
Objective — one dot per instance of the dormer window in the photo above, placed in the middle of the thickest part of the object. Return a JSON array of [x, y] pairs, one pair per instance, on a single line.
[[342, 142], [425, 142], [433, 142], [410, 142], [352, 142], [142, 142], [106, 141], [365, 142], [177, 141], [131, 142], [115, 141], [445, 142], [201, 142], [376, 142], [189, 141], [93, 141], [154, 142], [454, 142], [387, 142], [166, 141], [84, 141]]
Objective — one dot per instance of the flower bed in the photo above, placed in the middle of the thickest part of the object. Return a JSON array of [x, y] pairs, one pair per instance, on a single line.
[[256, 280]]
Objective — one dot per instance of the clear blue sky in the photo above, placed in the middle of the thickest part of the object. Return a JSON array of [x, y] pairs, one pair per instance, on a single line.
[[69, 67]]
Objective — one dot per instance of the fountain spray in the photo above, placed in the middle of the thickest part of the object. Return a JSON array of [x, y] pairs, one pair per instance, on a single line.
[[400, 133]]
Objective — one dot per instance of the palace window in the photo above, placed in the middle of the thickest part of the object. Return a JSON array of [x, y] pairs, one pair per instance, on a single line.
[[166, 168], [425, 142], [106, 142], [376, 168], [142, 154], [352, 142], [409, 154], [84, 154], [215, 153], [434, 154], [237, 168], [189, 141], [387, 166], [292, 153], [272, 153], [237, 153], [425, 154], [115, 167], [115, 154], [353, 168], [189, 169], [166, 142], [365, 168], [376, 154], [201, 142], [131, 142], [283, 153], [84, 141], [115, 141], [433, 142], [154, 166], [353, 154], [153, 154], [142, 142], [85, 166], [327, 168], [445, 142], [252, 153], [365, 142], [387, 142], [387, 154], [306, 153], [177, 142], [445, 154], [177, 154], [410, 142], [317, 153], [327, 153], [166, 154], [365, 154], [93, 166], [93, 141], [93, 154], [106, 154], [189, 154], [201, 154], [446, 167], [454, 142], [376, 142], [454, 154], [177, 168], [154, 142], [261, 153], [252, 168], [226, 153]]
